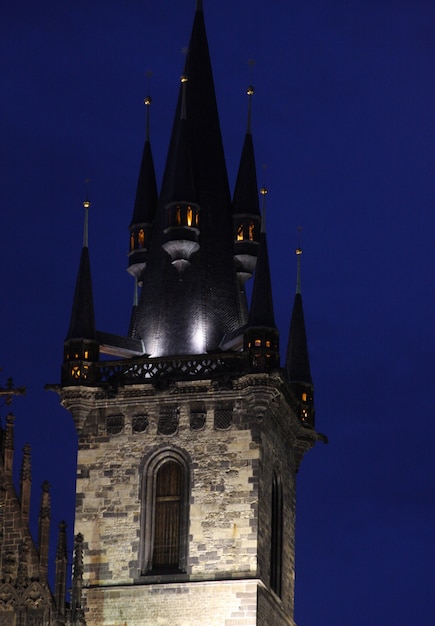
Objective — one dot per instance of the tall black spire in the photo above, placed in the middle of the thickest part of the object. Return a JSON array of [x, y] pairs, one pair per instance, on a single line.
[[246, 210], [297, 365], [82, 323], [261, 311], [186, 308], [182, 210], [81, 342], [145, 207], [297, 359], [261, 336], [245, 199]]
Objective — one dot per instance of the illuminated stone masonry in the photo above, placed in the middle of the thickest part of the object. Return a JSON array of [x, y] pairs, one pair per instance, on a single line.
[[230, 465]]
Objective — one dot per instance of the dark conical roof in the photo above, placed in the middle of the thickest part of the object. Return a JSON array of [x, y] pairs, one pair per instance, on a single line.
[[179, 180], [261, 311], [205, 138], [189, 313], [245, 199], [82, 324], [146, 195], [297, 360]]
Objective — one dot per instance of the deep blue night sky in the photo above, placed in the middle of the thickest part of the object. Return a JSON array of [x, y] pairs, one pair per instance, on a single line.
[[343, 127]]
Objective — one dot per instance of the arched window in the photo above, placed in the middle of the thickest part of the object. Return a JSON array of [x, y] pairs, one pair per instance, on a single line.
[[251, 231], [141, 238], [165, 513], [167, 517], [276, 525]]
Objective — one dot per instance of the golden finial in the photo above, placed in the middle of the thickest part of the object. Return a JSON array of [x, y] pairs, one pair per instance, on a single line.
[[299, 249], [183, 79], [263, 192], [298, 255], [250, 91], [147, 102], [86, 205]]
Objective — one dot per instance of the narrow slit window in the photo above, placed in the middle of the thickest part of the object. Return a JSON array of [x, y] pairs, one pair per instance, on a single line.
[[276, 536]]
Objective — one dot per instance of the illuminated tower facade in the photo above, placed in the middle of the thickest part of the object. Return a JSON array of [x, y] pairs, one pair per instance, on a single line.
[[190, 439]]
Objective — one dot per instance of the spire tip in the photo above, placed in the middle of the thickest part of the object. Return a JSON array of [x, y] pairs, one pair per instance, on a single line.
[[183, 80], [263, 192], [298, 252], [250, 92], [147, 102], [86, 205]]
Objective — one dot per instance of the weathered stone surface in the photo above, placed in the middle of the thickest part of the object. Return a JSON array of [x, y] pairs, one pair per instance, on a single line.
[[229, 511]]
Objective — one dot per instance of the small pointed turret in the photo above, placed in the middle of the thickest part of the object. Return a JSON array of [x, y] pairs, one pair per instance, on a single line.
[[81, 344], [261, 335], [297, 364], [44, 527], [246, 209], [25, 483], [182, 211], [77, 612], [61, 570], [23, 565], [145, 207], [8, 446]]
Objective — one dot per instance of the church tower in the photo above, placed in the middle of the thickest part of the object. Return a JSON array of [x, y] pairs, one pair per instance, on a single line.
[[191, 437]]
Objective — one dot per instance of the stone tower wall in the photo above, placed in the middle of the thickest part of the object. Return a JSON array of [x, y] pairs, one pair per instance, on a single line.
[[231, 465], [223, 494]]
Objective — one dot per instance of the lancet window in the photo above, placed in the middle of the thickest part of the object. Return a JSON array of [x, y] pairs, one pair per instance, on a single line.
[[276, 535], [165, 509]]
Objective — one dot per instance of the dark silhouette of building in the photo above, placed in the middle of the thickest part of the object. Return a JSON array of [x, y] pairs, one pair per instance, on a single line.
[[25, 595]]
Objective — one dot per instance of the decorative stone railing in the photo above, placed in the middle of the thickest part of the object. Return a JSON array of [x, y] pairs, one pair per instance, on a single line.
[[156, 370]]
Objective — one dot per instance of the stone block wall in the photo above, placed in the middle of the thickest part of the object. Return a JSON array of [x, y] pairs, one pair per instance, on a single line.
[[223, 496], [278, 456], [219, 603], [233, 439]]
